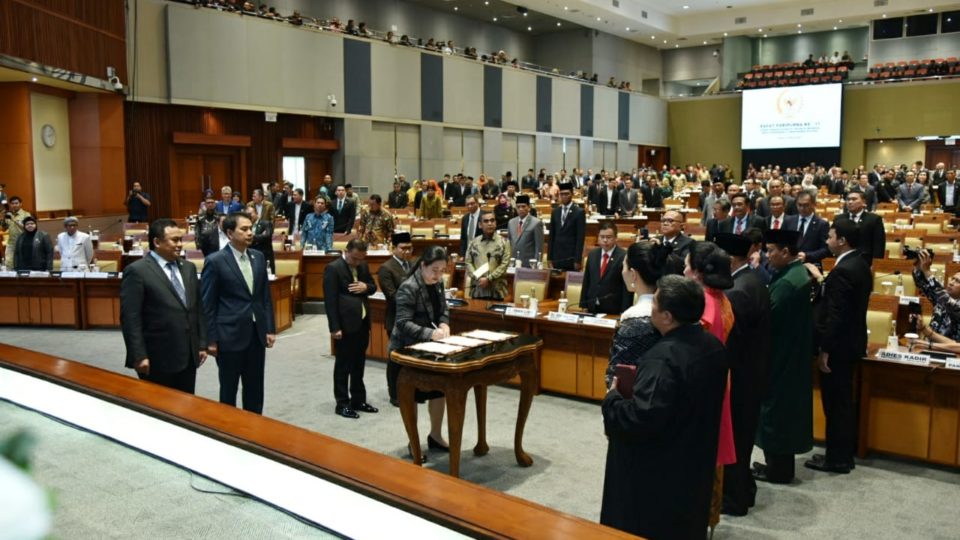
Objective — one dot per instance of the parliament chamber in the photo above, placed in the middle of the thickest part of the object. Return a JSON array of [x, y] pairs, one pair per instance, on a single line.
[[184, 98]]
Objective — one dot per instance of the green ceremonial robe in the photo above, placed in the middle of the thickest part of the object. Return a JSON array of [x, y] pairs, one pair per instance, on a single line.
[[786, 414]]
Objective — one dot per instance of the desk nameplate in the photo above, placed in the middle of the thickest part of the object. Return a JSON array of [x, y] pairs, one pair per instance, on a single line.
[[904, 357], [602, 323], [520, 312], [556, 316]]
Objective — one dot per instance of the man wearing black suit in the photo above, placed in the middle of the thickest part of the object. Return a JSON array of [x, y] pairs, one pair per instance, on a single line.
[[457, 191], [721, 210], [391, 275], [741, 218], [869, 192], [629, 198], [875, 175], [397, 200], [344, 211], [938, 175], [263, 237], [842, 333], [568, 226], [239, 312], [872, 238], [214, 239], [297, 211], [651, 193], [748, 352], [470, 224], [947, 193], [603, 288], [778, 219], [813, 231], [347, 284], [775, 187], [671, 231], [160, 316], [529, 181], [608, 200]]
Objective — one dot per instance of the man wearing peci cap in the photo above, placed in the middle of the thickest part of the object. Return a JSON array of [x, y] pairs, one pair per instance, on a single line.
[[786, 414], [75, 246], [748, 353], [525, 233], [568, 225], [391, 275]]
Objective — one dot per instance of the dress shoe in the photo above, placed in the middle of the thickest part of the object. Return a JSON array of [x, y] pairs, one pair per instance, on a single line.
[[732, 511], [819, 463], [759, 473], [395, 402], [366, 407], [347, 412], [434, 444]]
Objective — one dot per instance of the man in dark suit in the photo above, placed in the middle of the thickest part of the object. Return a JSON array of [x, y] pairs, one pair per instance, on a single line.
[[525, 233], [568, 226], [529, 181], [160, 316], [297, 211], [347, 284], [842, 333], [629, 198], [875, 175], [608, 200], [813, 231], [671, 233], [457, 191], [910, 194], [603, 288], [263, 237], [344, 211], [651, 193], [391, 274], [938, 176], [947, 193], [869, 192], [872, 238], [774, 188], [213, 239], [740, 219], [721, 210], [397, 200], [748, 352], [778, 219], [239, 312], [470, 224]]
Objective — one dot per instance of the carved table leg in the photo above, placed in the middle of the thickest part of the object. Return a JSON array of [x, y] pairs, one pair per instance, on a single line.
[[528, 385], [408, 411], [480, 393], [456, 408]]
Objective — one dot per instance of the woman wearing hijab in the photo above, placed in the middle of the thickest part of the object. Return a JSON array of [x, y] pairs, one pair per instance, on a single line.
[[33, 250], [503, 211]]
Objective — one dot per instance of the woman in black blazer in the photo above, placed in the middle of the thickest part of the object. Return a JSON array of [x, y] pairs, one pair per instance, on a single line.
[[423, 315]]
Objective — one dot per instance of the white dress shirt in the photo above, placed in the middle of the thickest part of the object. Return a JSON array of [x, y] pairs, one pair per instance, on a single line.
[[74, 250]]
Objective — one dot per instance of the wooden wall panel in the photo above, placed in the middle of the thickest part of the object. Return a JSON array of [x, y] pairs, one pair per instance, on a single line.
[[16, 150], [84, 36], [97, 154], [149, 142]]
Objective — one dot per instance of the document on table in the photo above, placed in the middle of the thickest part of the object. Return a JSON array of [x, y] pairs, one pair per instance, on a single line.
[[462, 341], [488, 335], [436, 347]]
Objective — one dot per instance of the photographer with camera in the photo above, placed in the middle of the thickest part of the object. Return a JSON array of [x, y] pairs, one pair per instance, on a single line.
[[13, 225], [945, 297], [137, 204]]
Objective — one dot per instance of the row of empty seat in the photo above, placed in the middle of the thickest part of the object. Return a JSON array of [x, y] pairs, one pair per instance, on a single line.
[[790, 76], [914, 69]]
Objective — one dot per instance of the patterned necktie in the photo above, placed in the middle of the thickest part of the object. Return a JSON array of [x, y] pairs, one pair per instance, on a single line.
[[739, 227], [177, 286], [247, 271], [776, 224], [603, 265]]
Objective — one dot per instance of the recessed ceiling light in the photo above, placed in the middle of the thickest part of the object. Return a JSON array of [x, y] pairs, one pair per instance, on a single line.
[[628, 29], [704, 42], [524, 13], [799, 25], [930, 10], [664, 41], [764, 35], [653, 37], [834, 27], [759, 29], [884, 15], [598, 19], [799, 31], [558, 23], [565, 8], [486, 3], [677, 46], [33, 79], [529, 28], [686, 7], [725, 34], [455, 8], [494, 19]]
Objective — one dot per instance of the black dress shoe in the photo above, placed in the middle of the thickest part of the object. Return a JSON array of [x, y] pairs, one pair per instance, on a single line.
[[395, 402], [434, 444], [347, 412], [759, 473], [731, 511], [819, 463], [366, 407]]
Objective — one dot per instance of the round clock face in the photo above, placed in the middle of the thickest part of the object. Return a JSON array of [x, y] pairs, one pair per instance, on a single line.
[[48, 135]]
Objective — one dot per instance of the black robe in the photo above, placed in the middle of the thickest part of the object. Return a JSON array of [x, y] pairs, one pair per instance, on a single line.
[[663, 443]]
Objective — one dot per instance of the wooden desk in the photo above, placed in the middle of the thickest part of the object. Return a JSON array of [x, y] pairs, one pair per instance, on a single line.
[[95, 303], [491, 364]]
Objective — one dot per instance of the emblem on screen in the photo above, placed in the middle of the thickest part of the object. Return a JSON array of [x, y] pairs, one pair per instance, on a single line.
[[789, 103]]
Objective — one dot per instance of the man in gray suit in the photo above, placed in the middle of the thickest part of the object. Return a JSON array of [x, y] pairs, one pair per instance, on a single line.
[[160, 312], [910, 194], [629, 197], [525, 233]]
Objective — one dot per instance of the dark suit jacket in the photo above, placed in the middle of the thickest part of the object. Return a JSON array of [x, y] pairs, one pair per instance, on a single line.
[[842, 312], [263, 238], [607, 294], [763, 206], [942, 197], [681, 244], [230, 307], [713, 227], [397, 199], [728, 225], [873, 239], [748, 345], [814, 243], [601, 202], [456, 192], [155, 323], [566, 242], [629, 201], [651, 197], [344, 308], [305, 209], [391, 276], [464, 240], [209, 242], [343, 220], [786, 222], [869, 196]]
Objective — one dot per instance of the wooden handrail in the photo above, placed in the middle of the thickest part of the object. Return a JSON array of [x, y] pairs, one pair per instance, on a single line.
[[439, 498]]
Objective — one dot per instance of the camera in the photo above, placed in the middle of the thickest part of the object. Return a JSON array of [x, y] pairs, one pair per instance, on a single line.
[[913, 253]]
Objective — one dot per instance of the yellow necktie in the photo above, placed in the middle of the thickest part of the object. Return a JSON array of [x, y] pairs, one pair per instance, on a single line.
[[363, 308]]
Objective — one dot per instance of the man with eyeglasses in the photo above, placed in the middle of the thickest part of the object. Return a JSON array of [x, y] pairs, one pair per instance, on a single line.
[[671, 233]]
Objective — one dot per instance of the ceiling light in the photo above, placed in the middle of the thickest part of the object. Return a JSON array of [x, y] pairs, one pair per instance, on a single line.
[[565, 8], [664, 41], [930, 10], [558, 23], [764, 35], [799, 31], [759, 29], [677, 46], [486, 3], [724, 34], [799, 25], [455, 8], [884, 15], [529, 28], [628, 29], [34, 79], [841, 20], [494, 19], [598, 19], [704, 42], [524, 13], [834, 27], [653, 37], [686, 7]]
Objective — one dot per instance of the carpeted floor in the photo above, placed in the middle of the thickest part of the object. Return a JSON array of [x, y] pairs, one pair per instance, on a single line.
[[883, 498]]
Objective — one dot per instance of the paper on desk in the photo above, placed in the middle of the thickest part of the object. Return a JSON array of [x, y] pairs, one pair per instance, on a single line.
[[481, 271], [487, 335], [463, 341], [435, 347]]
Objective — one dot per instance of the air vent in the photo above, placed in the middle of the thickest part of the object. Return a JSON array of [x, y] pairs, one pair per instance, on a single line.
[[880, 3], [806, 12], [740, 20], [616, 3], [643, 14]]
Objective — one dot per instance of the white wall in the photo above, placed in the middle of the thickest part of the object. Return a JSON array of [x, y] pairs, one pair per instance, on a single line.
[[893, 152], [52, 178], [915, 48], [691, 63], [625, 60]]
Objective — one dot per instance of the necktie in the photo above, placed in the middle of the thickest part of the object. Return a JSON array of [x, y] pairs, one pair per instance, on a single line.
[[472, 228], [803, 227], [406, 268], [339, 205], [603, 264], [776, 224], [563, 216], [177, 286], [363, 308], [739, 227], [519, 227], [247, 271]]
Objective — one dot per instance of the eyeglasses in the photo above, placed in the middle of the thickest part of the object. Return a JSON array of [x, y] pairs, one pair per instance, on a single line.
[[488, 220]]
